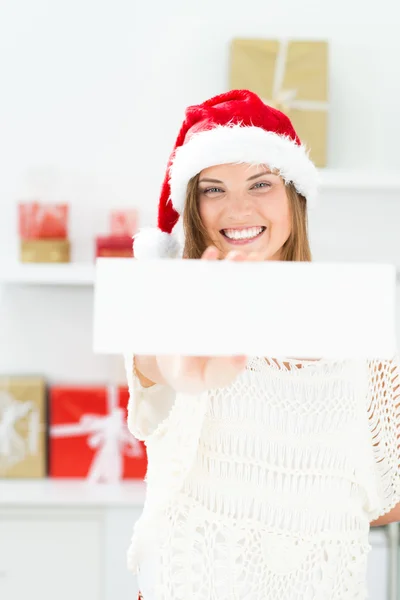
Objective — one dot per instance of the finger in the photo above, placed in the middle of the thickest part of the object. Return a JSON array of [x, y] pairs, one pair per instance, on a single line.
[[235, 255], [169, 366], [254, 257], [185, 373], [221, 371], [192, 366], [211, 253]]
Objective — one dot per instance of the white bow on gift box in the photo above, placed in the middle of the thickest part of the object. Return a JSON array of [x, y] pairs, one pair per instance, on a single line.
[[285, 100], [109, 436], [14, 447]]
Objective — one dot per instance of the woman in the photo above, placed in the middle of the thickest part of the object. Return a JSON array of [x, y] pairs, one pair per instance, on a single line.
[[264, 472]]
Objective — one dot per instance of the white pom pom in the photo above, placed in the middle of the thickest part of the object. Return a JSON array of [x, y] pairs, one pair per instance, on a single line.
[[151, 242]]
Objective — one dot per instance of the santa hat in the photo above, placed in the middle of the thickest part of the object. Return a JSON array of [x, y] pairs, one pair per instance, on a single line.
[[235, 127]]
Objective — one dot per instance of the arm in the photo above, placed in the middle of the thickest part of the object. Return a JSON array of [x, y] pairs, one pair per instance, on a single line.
[[384, 421], [150, 401], [392, 516]]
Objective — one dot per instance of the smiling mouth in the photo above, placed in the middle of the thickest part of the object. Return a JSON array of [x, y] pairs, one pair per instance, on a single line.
[[243, 235]]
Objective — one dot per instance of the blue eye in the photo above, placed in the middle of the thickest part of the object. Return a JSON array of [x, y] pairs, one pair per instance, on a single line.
[[212, 190], [262, 184]]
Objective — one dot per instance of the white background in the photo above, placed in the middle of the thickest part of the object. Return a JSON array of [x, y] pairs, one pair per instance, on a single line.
[[92, 95]]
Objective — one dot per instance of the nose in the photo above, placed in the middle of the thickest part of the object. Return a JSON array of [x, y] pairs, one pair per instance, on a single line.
[[240, 207]]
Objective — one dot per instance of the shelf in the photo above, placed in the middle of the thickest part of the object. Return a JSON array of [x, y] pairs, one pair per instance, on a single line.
[[348, 179], [48, 274], [72, 274], [70, 492]]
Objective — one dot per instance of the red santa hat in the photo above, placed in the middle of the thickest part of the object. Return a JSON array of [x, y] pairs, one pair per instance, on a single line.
[[234, 127]]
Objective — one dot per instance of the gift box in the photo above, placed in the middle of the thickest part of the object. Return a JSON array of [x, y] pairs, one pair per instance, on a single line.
[[118, 242], [89, 436], [43, 232], [45, 251], [38, 221], [114, 246], [123, 223], [22, 427], [291, 76]]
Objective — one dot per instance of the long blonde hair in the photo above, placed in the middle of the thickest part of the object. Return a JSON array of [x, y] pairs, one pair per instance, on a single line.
[[296, 247]]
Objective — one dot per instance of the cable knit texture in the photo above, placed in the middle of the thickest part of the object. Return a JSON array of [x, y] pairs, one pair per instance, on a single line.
[[265, 489]]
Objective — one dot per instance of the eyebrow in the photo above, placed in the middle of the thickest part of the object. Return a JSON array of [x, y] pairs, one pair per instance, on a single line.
[[249, 179]]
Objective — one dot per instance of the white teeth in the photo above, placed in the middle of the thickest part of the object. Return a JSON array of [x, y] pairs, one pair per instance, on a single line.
[[243, 234]]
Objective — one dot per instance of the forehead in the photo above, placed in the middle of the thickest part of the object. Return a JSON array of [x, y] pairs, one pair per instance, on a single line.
[[237, 170]]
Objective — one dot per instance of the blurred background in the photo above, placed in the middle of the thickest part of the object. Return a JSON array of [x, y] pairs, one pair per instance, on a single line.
[[92, 95]]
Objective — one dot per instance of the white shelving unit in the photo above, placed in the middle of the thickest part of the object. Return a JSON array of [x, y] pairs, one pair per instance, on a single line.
[[79, 274], [52, 527], [70, 492]]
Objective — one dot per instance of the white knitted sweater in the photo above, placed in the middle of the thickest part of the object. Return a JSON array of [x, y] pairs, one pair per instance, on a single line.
[[265, 489]]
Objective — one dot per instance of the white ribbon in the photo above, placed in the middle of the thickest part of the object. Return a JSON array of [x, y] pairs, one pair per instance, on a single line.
[[285, 100], [108, 435], [14, 447]]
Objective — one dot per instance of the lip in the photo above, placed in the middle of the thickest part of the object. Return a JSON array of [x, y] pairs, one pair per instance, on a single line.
[[242, 242]]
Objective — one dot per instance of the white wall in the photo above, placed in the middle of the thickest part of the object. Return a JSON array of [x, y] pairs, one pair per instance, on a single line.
[[92, 94]]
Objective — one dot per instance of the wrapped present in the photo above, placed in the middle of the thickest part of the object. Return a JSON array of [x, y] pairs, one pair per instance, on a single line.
[[118, 242], [114, 246], [123, 223], [89, 436], [45, 251], [22, 427], [39, 221], [291, 76]]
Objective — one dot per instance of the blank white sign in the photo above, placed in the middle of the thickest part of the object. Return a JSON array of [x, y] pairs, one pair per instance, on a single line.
[[276, 309]]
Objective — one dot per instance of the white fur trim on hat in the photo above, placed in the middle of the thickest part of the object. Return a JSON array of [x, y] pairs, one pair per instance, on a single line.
[[225, 144], [151, 242]]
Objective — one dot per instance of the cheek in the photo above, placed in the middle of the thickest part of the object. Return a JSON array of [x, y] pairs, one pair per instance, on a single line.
[[278, 214], [285, 220], [202, 211], [208, 214]]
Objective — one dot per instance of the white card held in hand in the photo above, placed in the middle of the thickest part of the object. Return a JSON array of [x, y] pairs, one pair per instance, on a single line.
[[275, 309]]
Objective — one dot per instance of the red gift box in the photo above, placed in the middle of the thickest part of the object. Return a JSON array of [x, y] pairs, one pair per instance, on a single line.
[[89, 436], [43, 221], [114, 246]]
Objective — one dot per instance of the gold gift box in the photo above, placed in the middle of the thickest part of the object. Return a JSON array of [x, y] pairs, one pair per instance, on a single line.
[[23, 427], [291, 76], [45, 251]]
